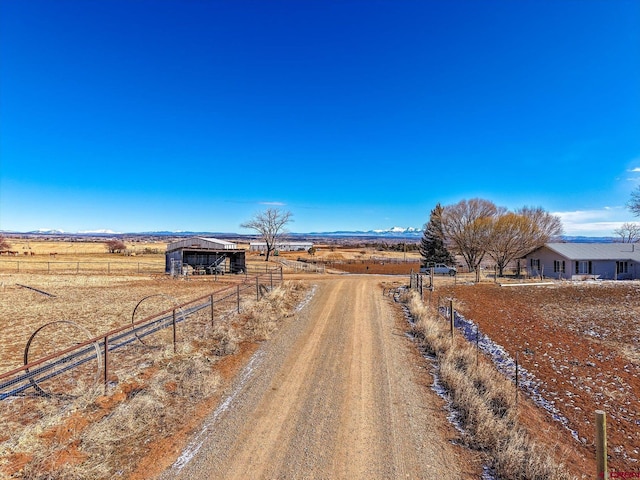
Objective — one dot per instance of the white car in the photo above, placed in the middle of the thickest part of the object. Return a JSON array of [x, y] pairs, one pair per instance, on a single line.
[[439, 268]]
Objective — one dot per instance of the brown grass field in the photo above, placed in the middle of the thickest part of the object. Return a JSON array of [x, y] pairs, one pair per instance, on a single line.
[[155, 396]]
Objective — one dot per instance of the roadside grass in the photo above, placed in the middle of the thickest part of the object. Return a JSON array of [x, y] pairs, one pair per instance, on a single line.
[[483, 401], [102, 436]]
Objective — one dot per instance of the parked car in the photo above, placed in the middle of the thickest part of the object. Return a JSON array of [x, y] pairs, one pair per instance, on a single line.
[[440, 269]]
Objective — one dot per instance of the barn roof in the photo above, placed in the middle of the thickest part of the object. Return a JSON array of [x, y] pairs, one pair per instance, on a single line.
[[596, 251], [205, 243]]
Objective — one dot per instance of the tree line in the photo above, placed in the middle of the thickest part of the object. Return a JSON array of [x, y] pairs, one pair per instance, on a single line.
[[477, 228]]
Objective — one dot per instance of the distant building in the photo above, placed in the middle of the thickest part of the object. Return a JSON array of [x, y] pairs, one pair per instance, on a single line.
[[202, 255], [282, 246], [574, 261]]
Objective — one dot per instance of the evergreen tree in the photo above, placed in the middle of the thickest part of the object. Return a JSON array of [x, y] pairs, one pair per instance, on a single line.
[[432, 246]]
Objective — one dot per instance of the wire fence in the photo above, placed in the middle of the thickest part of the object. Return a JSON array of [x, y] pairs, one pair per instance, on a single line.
[[35, 266], [88, 361]]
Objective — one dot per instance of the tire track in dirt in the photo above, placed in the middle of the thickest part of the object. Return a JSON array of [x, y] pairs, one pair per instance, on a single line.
[[334, 396]]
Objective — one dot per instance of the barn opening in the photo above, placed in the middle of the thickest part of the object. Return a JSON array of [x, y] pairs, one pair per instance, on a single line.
[[204, 256]]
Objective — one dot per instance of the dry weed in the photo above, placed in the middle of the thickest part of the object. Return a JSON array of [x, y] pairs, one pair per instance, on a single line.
[[264, 316], [483, 401]]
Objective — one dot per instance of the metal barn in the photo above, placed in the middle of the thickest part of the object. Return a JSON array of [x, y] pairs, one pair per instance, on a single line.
[[205, 256], [283, 246]]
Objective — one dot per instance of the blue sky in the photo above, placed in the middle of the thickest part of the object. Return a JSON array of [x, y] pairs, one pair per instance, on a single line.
[[144, 115]]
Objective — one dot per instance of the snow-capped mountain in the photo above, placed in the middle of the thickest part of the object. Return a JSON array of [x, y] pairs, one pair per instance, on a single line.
[[400, 230], [98, 232]]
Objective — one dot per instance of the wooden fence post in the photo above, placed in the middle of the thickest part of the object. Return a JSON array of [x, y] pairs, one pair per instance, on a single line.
[[601, 445], [106, 363], [477, 345], [175, 336], [174, 331], [517, 379], [211, 299], [451, 316]]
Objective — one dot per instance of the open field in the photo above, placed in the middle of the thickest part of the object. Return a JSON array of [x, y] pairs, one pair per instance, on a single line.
[[82, 248], [581, 341], [98, 303], [154, 396]]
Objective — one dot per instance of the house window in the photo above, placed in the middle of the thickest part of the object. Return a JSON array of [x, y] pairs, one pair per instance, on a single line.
[[622, 267], [535, 263], [583, 267], [558, 266]]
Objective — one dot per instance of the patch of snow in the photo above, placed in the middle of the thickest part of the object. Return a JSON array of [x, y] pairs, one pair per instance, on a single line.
[[194, 447], [507, 366], [452, 414], [307, 298]]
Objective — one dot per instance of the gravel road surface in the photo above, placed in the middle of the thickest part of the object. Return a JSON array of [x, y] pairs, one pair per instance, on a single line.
[[338, 393]]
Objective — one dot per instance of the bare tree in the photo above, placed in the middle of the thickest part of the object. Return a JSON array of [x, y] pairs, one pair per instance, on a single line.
[[467, 227], [544, 226], [4, 243], [115, 246], [628, 232], [270, 225], [508, 239], [516, 234], [634, 203]]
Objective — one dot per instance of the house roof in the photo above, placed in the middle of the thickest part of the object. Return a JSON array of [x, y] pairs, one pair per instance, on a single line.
[[596, 251]]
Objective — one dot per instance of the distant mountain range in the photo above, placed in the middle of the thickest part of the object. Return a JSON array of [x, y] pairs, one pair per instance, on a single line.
[[392, 233]]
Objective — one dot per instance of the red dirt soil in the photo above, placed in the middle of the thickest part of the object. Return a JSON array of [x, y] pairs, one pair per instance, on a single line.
[[581, 342]]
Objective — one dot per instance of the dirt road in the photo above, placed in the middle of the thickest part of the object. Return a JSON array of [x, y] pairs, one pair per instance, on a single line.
[[339, 393]]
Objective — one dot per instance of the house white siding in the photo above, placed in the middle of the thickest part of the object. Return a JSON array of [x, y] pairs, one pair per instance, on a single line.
[[575, 261]]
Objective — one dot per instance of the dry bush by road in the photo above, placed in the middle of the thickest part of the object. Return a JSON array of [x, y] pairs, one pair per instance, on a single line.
[[484, 403]]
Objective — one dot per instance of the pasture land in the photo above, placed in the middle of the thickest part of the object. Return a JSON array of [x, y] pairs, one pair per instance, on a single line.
[[154, 397], [581, 341], [98, 303]]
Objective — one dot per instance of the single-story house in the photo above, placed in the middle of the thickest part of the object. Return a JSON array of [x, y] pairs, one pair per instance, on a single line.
[[575, 261], [205, 256], [282, 246]]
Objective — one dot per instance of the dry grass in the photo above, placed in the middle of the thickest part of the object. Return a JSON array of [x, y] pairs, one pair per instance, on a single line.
[[80, 248], [97, 303], [579, 340], [264, 317], [104, 436], [483, 402]]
